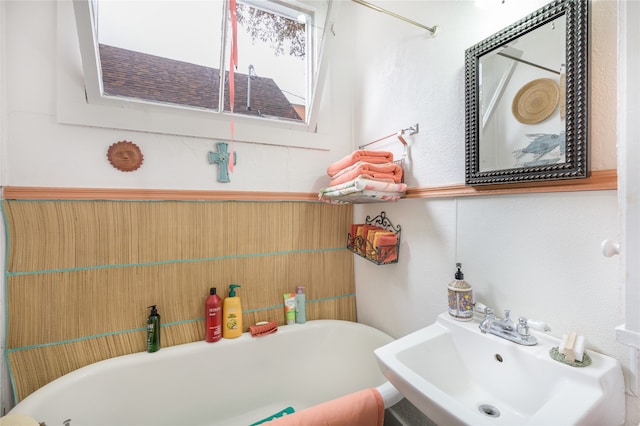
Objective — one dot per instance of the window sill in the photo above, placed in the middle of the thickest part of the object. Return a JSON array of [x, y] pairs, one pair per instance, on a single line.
[[135, 116]]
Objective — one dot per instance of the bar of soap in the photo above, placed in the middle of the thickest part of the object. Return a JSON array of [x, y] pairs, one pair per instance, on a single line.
[[569, 348], [563, 343], [578, 349]]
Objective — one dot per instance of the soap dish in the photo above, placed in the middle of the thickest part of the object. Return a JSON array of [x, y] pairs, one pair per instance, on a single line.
[[558, 356]]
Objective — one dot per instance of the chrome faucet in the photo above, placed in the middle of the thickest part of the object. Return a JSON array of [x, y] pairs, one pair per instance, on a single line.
[[489, 318], [506, 328]]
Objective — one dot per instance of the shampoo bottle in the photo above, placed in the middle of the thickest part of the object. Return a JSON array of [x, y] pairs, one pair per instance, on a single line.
[[301, 309], [460, 297], [153, 330], [213, 317], [231, 314]]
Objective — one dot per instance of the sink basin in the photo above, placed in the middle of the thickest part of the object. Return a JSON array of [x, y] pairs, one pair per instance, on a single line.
[[455, 374]]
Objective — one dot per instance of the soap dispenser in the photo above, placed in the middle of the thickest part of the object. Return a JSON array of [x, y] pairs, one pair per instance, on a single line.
[[460, 297], [231, 314]]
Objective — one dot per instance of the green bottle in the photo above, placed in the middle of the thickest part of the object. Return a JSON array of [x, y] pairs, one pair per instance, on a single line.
[[153, 330]]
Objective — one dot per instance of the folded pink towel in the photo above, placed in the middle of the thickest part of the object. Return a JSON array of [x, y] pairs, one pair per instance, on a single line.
[[362, 408], [390, 172], [374, 157]]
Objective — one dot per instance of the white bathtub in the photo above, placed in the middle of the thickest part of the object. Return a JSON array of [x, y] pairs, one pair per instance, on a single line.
[[231, 382]]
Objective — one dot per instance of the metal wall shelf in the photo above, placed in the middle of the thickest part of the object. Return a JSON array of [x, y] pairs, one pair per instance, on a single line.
[[380, 254]]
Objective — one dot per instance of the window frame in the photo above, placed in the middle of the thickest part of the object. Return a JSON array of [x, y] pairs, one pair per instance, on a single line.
[[92, 108]]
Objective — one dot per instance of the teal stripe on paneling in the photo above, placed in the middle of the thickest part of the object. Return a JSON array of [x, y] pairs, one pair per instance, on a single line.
[[325, 299], [96, 336], [171, 261], [79, 339], [281, 306], [133, 330]]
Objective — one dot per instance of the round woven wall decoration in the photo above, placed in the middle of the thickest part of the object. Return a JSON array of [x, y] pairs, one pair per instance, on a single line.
[[125, 156], [536, 101]]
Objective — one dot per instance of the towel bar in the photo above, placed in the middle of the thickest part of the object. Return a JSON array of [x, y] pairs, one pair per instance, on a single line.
[[412, 130]]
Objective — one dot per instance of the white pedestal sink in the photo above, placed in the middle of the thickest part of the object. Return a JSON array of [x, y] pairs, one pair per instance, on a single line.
[[457, 375]]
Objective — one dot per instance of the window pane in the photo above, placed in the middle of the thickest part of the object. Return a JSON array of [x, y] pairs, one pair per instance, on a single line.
[[161, 51], [271, 78]]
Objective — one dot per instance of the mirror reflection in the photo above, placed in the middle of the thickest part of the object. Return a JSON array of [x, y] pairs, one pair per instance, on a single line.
[[521, 85]]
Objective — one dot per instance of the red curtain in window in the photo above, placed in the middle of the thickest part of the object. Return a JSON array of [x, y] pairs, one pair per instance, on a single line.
[[233, 64]]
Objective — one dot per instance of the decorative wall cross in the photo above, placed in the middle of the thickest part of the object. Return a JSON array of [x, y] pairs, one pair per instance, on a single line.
[[221, 158]]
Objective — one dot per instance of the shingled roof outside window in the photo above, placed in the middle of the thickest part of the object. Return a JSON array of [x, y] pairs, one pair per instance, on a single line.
[[153, 78]]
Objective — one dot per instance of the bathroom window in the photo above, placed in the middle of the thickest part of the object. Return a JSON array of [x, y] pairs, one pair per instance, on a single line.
[[175, 54]]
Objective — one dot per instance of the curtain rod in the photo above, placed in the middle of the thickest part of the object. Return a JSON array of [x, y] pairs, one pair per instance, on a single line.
[[527, 62], [432, 30]]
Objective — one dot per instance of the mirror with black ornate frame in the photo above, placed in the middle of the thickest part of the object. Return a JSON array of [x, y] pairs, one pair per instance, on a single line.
[[526, 99]]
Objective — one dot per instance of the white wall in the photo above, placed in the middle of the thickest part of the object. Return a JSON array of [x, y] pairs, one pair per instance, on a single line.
[[538, 255]]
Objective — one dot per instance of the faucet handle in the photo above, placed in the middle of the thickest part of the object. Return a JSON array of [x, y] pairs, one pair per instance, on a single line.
[[523, 328], [506, 321], [479, 307], [489, 318], [538, 325]]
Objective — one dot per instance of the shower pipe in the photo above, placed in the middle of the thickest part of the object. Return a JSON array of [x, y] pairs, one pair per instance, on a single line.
[[432, 30]]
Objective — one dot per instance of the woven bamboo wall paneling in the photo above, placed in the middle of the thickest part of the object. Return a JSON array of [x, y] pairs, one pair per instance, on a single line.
[[81, 275], [63, 234]]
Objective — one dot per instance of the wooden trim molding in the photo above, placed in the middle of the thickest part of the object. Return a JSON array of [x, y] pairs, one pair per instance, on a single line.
[[45, 193], [598, 181]]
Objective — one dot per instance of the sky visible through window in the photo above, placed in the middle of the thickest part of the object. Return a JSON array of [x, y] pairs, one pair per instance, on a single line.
[[190, 31]]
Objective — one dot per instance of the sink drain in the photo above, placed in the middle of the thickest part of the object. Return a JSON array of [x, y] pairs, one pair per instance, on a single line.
[[489, 410]]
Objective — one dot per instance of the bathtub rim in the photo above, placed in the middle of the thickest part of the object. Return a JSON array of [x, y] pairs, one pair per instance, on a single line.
[[389, 393]]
